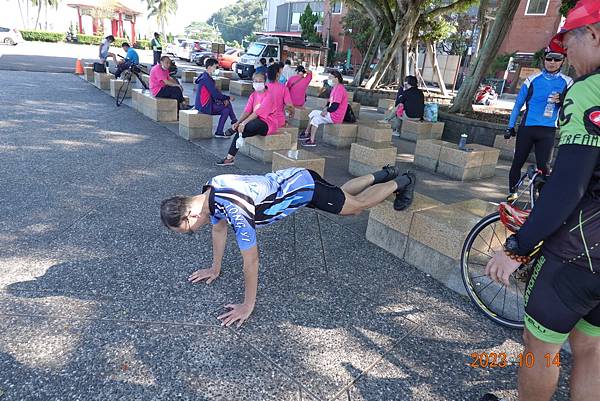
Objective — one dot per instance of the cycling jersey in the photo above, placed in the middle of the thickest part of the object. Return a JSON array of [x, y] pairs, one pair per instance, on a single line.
[[534, 95], [247, 201]]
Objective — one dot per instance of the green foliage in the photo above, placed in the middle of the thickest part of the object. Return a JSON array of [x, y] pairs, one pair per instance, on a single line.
[[500, 63], [359, 27], [435, 29], [458, 42], [203, 31], [170, 37], [239, 20], [566, 5], [234, 44], [308, 19], [143, 45], [42, 36], [96, 40]]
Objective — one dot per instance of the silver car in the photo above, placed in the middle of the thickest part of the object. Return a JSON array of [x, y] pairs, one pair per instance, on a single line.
[[10, 36]]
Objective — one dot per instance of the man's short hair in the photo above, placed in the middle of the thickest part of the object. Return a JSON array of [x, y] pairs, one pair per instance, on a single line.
[[163, 58], [411, 80], [125, 44], [156, 34], [209, 62], [174, 210], [110, 38], [288, 62], [263, 60], [271, 60]]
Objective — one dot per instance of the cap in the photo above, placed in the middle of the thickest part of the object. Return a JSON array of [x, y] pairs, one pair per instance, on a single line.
[[585, 12]]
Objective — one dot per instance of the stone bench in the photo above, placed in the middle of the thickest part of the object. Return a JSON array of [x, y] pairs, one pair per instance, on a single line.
[[316, 103], [240, 88], [194, 125], [445, 158], [293, 131], [88, 73], [507, 148], [157, 109], [384, 105], [374, 132], [189, 75], [313, 90], [227, 74], [300, 119], [102, 80], [340, 135], [298, 158], [368, 157], [222, 83], [116, 84], [416, 130], [262, 147]]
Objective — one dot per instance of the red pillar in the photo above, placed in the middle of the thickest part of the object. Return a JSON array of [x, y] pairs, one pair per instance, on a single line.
[[79, 20], [113, 28], [133, 37], [120, 25], [94, 26]]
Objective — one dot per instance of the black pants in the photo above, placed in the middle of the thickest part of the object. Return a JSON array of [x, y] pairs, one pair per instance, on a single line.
[[171, 92], [125, 65], [542, 138], [156, 55], [253, 128]]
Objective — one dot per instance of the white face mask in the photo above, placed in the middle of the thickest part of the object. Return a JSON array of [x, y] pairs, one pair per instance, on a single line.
[[258, 86], [330, 82]]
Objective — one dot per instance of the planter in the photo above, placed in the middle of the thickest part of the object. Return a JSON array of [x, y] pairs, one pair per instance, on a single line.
[[481, 132]]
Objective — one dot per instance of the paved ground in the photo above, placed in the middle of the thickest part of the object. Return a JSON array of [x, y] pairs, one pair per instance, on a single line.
[[94, 302]]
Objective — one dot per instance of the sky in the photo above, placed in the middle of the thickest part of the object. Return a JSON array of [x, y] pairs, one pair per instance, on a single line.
[[194, 10]]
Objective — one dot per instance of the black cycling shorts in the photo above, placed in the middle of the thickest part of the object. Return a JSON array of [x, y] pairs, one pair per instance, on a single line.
[[559, 297], [326, 196]]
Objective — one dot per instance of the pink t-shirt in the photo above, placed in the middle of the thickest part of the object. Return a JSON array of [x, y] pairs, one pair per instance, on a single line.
[[339, 95], [281, 98], [297, 86], [262, 104], [157, 76]]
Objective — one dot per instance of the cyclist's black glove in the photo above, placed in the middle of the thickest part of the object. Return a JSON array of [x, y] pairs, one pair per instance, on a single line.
[[510, 132]]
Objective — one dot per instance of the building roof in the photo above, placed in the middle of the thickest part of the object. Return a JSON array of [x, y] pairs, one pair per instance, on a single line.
[[284, 34], [123, 6]]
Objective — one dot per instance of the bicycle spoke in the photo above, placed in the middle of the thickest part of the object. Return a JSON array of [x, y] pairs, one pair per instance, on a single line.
[[487, 285], [483, 253], [504, 300], [498, 238], [493, 299]]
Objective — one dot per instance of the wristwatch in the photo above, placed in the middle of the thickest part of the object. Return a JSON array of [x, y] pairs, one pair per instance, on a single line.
[[511, 247]]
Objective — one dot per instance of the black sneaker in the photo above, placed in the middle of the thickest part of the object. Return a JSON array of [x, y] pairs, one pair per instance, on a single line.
[[404, 197], [220, 135], [392, 172], [226, 162], [489, 397], [230, 132]]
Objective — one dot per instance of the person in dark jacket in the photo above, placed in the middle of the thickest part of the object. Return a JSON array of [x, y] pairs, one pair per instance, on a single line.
[[262, 68], [209, 100], [413, 104]]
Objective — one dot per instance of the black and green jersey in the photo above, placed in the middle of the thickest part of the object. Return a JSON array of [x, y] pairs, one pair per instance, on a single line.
[[156, 46]]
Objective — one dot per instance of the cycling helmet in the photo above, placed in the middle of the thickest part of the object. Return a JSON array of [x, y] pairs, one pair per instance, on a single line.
[[512, 217], [556, 52]]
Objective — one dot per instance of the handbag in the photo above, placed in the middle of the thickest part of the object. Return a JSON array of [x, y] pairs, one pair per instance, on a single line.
[[349, 117], [100, 67]]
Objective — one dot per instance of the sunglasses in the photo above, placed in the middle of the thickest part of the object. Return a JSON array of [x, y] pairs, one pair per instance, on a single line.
[[555, 59]]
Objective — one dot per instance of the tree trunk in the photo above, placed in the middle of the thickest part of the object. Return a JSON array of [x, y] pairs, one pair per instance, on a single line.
[[481, 24], [437, 73], [504, 16], [21, 12], [39, 11], [375, 41]]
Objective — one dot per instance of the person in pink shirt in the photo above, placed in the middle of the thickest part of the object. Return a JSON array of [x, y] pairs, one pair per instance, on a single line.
[[162, 84], [334, 112], [298, 84], [258, 118], [280, 93]]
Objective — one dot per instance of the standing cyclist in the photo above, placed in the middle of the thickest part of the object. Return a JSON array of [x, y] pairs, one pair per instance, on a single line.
[[562, 300], [540, 94]]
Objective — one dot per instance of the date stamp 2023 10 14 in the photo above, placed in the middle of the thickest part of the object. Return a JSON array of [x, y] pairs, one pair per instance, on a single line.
[[484, 360]]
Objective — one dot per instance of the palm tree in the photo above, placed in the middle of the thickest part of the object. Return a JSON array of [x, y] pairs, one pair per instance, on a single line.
[[161, 9], [39, 4]]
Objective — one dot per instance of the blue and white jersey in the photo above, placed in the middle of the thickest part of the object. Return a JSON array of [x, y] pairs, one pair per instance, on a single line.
[[534, 95], [247, 201]]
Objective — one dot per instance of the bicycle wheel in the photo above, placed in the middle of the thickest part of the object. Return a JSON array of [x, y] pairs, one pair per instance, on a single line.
[[502, 304], [122, 92]]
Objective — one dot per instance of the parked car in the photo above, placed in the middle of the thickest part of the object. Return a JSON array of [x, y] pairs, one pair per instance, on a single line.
[[186, 48], [230, 58], [172, 47], [200, 57], [10, 36]]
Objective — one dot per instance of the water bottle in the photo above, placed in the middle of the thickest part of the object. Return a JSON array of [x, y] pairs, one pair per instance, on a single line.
[[463, 141], [549, 109]]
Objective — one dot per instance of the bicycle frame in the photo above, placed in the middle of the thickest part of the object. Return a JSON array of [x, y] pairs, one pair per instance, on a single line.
[[534, 176]]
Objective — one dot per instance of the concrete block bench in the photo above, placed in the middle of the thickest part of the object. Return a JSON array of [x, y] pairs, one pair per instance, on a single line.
[[384, 105], [240, 88], [262, 147], [388, 228], [298, 158], [445, 158], [194, 125], [368, 157], [340, 135], [436, 238], [374, 132], [227, 74], [415, 130], [300, 119], [88, 73], [102, 80], [157, 109], [316, 103], [222, 83], [293, 131], [507, 148], [189, 75], [115, 85], [313, 90]]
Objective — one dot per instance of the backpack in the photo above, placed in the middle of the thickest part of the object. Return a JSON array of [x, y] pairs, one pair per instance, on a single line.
[[100, 67], [349, 117]]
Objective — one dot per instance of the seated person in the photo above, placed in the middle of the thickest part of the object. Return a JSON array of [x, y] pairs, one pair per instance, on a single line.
[[298, 84], [209, 100], [262, 68], [248, 201], [131, 58], [163, 85], [413, 104], [334, 113], [258, 118], [103, 49]]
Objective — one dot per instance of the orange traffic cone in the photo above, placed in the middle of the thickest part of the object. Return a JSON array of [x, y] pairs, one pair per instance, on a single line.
[[78, 67]]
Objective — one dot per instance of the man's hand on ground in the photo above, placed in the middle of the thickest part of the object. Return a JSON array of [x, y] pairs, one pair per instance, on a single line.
[[500, 267], [238, 312], [209, 275]]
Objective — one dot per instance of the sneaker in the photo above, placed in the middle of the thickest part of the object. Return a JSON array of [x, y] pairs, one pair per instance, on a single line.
[[395, 133], [303, 136], [226, 162], [512, 197], [404, 198], [230, 132], [310, 143], [383, 122], [392, 172], [489, 397], [219, 135]]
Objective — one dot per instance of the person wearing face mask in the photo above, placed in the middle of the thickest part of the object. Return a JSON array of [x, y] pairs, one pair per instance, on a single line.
[[258, 118], [280, 93], [163, 85], [540, 94], [209, 100], [298, 84], [333, 113]]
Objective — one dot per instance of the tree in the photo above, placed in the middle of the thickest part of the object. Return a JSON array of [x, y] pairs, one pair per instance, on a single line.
[[239, 20], [502, 22], [39, 4], [308, 19], [566, 5], [203, 30], [161, 9], [359, 27]]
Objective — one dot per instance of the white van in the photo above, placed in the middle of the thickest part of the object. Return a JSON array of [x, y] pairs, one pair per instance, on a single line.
[[265, 46]]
